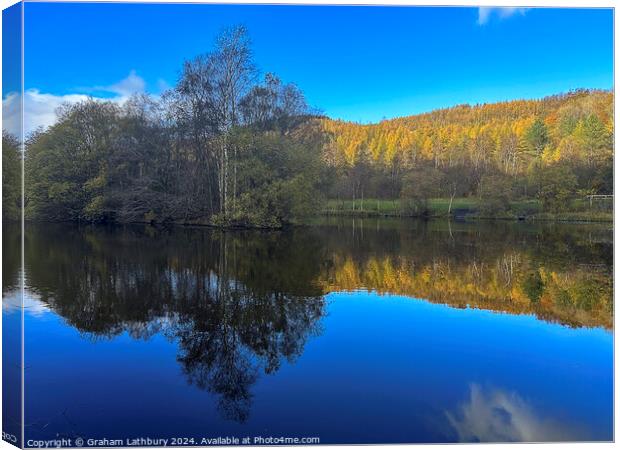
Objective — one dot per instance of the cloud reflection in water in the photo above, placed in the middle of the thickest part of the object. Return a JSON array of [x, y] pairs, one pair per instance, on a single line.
[[495, 415]]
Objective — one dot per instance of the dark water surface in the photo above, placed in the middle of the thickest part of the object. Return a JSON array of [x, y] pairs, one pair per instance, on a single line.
[[349, 331]]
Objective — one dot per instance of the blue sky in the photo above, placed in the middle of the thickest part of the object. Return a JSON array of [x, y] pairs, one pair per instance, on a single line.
[[354, 63]]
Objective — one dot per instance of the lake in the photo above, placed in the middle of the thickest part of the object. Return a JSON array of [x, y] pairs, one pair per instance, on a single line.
[[348, 330]]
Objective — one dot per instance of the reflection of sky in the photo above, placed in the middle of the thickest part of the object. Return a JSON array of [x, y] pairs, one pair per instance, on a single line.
[[499, 416], [385, 369], [11, 302]]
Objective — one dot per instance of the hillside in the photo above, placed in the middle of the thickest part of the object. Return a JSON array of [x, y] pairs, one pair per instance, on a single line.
[[487, 133], [511, 147]]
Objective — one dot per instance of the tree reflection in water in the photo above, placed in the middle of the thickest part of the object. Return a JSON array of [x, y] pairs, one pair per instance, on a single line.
[[239, 303], [219, 295], [230, 328]]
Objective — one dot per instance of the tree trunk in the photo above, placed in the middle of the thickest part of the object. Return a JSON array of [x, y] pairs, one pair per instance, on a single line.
[[225, 177], [451, 198], [362, 199], [235, 180]]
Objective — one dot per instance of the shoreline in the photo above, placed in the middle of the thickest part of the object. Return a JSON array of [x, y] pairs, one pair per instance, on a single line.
[[608, 219], [468, 209], [543, 217]]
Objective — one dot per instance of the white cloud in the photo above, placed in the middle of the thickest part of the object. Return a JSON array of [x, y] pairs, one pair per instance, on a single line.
[[485, 13], [40, 108], [11, 113], [127, 86], [498, 416]]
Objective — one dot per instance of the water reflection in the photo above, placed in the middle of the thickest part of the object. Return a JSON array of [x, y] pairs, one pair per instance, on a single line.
[[561, 274], [230, 326], [495, 415], [219, 295], [238, 304]]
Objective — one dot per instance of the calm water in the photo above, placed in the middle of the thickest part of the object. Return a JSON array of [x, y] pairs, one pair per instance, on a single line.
[[349, 331]]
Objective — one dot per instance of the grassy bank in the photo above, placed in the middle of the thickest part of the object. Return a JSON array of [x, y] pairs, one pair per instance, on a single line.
[[577, 211]]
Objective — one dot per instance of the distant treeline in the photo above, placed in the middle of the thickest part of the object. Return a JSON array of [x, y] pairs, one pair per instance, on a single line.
[[224, 147], [552, 149]]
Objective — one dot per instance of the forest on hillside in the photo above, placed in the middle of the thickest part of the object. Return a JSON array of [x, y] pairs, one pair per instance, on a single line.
[[228, 147], [553, 150]]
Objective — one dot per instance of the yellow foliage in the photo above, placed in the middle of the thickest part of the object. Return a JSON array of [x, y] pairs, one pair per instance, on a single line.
[[476, 133]]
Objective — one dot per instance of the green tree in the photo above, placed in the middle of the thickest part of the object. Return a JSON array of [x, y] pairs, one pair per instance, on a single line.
[[495, 193], [66, 165], [558, 185], [281, 177], [537, 136], [419, 186], [533, 286], [11, 177]]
